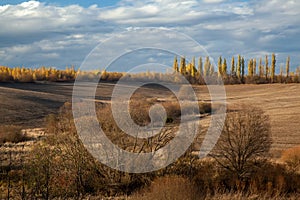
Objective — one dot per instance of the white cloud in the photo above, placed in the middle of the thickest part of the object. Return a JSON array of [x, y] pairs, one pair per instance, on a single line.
[[213, 1]]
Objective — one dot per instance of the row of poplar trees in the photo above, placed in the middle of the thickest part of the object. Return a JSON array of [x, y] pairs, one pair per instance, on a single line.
[[236, 70], [23, 74]]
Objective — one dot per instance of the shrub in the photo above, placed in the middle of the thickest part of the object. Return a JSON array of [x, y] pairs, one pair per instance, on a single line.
[[168, 187], [10, 133], [73, 171], [205, 108], [267, 178], [273, 179], [139, 111], [292, 158], [173, 110]]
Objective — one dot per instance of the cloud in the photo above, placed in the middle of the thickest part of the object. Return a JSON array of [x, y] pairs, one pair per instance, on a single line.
[[154, 13], [34, 33], [213, 1]]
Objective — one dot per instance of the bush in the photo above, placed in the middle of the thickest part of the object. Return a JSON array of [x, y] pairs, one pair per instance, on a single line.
[[168, 187], [273, 179], [205, 108], [71, 169], [267, 178], [292, 158], [10, 133]]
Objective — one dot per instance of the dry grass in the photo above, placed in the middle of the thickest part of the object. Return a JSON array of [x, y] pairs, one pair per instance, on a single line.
[[292, 158], [10, 133], [240, 196], [168, 188], [179, 188]]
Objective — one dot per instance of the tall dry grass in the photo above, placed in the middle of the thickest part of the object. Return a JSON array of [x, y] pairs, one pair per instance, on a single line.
[[292, 158], [11, 133]]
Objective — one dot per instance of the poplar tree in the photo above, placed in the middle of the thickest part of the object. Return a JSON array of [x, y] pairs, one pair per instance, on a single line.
[[220, 67], [243, 68], [200, 66], [281, 73], [224, 68], [175, 64], [232, 66], [238, 67], [261, 69], [211, 69], [273, 68], [193, 68], [206, 66], [287, 66], [182, 66], [267, 67], [250, 68], [254, 66]]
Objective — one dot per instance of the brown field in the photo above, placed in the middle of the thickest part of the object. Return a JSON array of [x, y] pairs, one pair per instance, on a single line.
[[27, 104], [280, 101]]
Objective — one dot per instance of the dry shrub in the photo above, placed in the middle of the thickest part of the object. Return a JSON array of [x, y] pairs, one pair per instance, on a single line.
[[168, 187], [206, 178], [267, 179], [203, 173], [72, 171], [11, 133], [139, 111], [205, 107], [127, 142], [292, 158], [61, 167], [173, 110], [241, 196], [273, 179]]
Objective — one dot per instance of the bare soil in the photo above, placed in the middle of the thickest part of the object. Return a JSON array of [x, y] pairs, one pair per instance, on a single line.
[[27, 104], [280, 101]]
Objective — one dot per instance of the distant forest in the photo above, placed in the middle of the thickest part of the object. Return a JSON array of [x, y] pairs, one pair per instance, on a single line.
[[204, 72]]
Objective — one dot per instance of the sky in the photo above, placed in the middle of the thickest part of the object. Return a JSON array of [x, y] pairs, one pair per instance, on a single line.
[[62, 33]]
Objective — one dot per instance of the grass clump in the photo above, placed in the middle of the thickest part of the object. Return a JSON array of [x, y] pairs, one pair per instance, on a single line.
[[11, 133]]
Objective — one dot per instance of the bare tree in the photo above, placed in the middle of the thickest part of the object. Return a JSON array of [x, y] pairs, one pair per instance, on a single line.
[[245, 137]]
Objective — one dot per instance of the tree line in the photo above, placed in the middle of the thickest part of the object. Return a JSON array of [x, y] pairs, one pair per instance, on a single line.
[[22, 74], [258, 71], [204, 72]]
